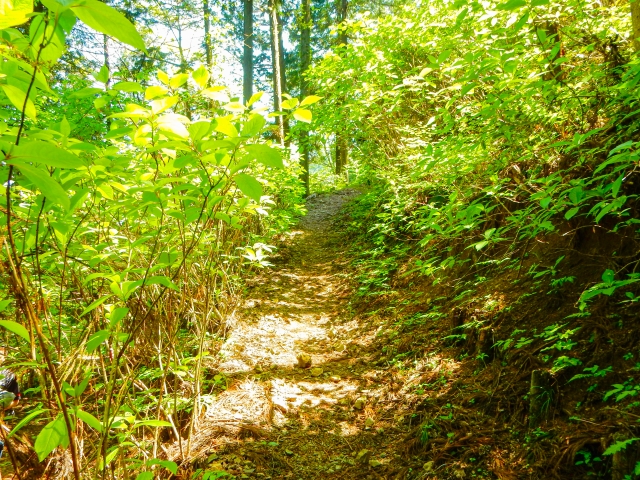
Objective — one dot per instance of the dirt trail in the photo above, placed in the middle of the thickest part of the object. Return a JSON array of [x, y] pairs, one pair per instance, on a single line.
[[280, 417]]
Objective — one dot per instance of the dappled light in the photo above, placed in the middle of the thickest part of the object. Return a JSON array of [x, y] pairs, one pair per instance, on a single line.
[[299, 239]]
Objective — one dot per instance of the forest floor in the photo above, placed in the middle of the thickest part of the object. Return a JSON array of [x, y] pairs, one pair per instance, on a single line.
[[304, 397], [320, 378]]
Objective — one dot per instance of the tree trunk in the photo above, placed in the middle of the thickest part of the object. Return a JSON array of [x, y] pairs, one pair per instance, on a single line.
[[105, 53], [208, 48], [635, 23], [247, 54], [539, 398], [305, 62], [341, 139], [283, 72], [277, 67]]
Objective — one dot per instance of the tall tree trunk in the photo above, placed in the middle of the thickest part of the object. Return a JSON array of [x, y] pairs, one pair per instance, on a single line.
[[283, 71], [277, 66], [305, 62], [635, 23], [208, 48], [247, 53], [105, 53], [342, 152]]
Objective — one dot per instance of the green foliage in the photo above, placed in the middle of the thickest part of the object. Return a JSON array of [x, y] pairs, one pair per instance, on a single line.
[[127, 236]]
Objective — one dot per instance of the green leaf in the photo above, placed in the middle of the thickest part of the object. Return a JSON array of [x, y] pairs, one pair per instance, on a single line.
[[216, 93], [521, 22], [152, 423], [201, 76], [96, 340], [161, 280], [481, 245], [619, 445], [16, 328], [17, 98], [90, 420], [168, 464], [105, 190], [154, 91], [266, 155], [103, 75], [95, 304], [179, 80], [26, 420], [82, 386], [159, 106], [65, 127], [512, 5], [86, 92], [109, 21], [4, 304], [310, 100], [303, 115], [537, 3], [53, 435], [254, 98], [128, 87], [467, 88], [145, 476], [117, 315], [249, 186], [571, 213], [290, 104], [616, 185], [235, 107], [47, 185], [254, 125], [14, 12], [225, 126], [37, 151], [198, 130], [608, 276]]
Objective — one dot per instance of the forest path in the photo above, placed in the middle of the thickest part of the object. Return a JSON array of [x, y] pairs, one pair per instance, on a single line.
[[279, 416]]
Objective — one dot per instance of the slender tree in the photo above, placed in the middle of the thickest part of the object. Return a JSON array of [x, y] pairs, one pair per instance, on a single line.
[[208, 47], [277, 66], [247, 54], [341, 139], [305, 62]]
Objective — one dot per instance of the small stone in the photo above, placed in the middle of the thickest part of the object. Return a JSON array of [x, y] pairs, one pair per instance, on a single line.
[[304, 360], [360, 403], [316, 371], [369, 422], [363, 456], [374, 463]]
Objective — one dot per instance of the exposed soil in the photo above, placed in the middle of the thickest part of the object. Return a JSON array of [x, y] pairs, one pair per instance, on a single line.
[[303, 400], [323, 383]]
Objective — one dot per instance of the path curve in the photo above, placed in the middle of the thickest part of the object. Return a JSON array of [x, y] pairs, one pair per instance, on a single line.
[[301, 400]]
